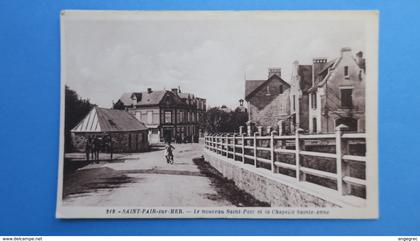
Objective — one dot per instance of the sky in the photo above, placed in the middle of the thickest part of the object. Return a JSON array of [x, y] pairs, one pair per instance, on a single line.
[[207, 54]]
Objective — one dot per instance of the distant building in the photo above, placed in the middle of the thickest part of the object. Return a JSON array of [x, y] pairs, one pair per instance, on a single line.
[[300, 83], [268, 100], [337, 95], [127, 133], [169, 115]]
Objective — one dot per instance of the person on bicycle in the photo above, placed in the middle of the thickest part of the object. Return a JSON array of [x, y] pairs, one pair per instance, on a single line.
[[168, 152]]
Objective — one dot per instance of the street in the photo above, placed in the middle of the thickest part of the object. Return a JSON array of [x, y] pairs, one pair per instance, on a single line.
[[145, 179]]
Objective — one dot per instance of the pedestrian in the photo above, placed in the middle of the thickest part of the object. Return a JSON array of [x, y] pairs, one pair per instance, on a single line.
[[88, 147]]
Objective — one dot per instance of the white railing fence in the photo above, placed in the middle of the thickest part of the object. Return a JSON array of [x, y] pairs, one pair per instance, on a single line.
[[336, 161]]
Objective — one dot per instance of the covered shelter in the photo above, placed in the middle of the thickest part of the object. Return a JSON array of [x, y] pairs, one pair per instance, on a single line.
[[125, 132]]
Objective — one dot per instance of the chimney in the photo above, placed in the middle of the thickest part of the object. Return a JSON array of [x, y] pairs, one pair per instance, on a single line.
[[175, 90], [360, 60], [241, 102], [274, 71], [149, 90], [318, 65], [345, 51]]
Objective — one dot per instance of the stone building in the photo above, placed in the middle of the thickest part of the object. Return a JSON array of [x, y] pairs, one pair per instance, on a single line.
[[169, 115], [268, 100], [337, 95], [300, 83], [127, 133]]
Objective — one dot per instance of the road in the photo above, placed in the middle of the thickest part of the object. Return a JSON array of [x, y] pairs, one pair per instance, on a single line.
[[145, 179]]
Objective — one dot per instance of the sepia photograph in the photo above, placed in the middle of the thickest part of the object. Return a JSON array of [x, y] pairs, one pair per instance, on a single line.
[[218, 114]]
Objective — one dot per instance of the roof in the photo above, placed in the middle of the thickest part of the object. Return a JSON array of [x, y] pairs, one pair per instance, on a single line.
[[126, 98], [146, 98], [108, 120], [328, 65], [152, 98], [252, 85]]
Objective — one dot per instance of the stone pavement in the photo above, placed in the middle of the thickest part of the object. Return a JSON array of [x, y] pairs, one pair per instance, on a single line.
[[144, 179]]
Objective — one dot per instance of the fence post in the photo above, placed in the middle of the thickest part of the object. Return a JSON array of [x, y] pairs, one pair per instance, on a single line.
[[243, 148], [233, 147], [227, 146], [297, 147], [339, 159], [255, 150], [272, 151]]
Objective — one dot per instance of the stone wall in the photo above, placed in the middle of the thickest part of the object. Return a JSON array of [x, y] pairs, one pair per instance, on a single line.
[[268, 105], [265, 188]]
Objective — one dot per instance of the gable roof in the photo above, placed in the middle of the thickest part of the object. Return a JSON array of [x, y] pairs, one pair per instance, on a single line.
[[108, 120], [252, 85]]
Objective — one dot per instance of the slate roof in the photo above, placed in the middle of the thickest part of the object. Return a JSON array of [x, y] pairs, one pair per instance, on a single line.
[[328, 65], [143, 98], [108, 120], [252, 85], [152, 98]]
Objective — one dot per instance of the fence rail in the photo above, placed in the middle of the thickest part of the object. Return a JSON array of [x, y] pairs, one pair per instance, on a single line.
[[336, 161]]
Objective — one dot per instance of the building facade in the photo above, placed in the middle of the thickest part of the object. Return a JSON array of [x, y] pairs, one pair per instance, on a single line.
[[268, 100], [337, 95], [169, 115], [300, 83]]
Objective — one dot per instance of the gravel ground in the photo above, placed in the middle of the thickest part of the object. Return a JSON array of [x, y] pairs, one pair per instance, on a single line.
[[145, 179]]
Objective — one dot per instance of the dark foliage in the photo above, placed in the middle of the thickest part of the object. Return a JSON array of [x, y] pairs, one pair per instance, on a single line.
[[76, 109], [218, 120]]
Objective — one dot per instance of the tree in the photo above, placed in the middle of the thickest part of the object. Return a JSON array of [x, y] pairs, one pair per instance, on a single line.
[[75, 110], [219, 120]]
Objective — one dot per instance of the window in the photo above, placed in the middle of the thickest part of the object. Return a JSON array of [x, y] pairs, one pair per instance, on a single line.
[[156, 118], [281, 89], [181, 116], [346, 71], [313, 101], [138, 115], [314, 127], [149, 117], [346, 98], [268, 90], [168, 116]]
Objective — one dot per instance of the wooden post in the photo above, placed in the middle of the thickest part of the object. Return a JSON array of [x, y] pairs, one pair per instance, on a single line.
[[339, 157], [272, 151], [297, 147], [255, 150], [227, 145], [243, 148]]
